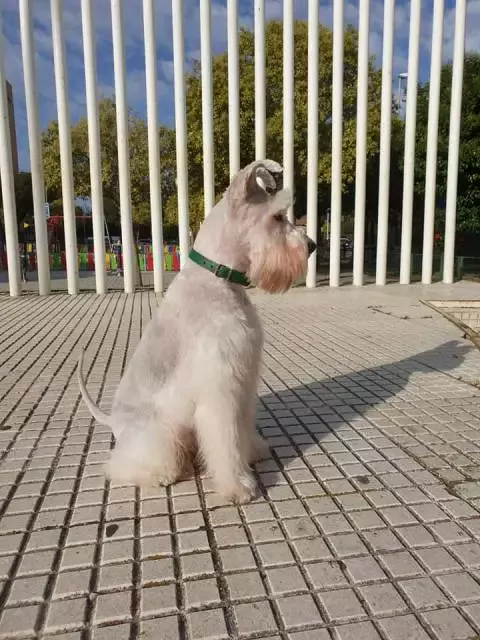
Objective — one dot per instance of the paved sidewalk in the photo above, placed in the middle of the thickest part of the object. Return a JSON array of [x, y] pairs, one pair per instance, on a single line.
[[86, 281], [368, 526]]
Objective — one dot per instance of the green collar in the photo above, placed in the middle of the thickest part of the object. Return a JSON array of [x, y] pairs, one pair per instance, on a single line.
[[219, 270]]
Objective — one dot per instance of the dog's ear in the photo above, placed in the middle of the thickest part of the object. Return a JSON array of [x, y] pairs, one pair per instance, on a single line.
[[260, 178], [264, 177], [258, 181]]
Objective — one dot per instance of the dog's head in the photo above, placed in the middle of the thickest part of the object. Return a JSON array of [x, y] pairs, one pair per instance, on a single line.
[[276, 251]]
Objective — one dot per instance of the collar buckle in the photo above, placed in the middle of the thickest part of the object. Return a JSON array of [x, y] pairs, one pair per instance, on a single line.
[[227, 270]]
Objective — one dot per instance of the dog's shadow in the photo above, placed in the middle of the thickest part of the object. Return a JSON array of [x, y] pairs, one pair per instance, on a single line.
[[314, 429]]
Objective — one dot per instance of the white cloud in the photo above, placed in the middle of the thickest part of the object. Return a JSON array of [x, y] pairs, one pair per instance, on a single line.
[[472, 32]]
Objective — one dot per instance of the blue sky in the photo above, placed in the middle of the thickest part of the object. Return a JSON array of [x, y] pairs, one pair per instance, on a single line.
[[135, 52]]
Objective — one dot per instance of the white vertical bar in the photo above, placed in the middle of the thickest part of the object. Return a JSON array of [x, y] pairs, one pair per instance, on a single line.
[[312, 133], [61, 89], [180, 128], [410, 128], [432, 140], [128, 247], [153, 146], [8, 186], [288, 100], [207, 105], [35, 146], [385, 142], [454, 141], [94, 146], [260, 98], [337, 128], [361, 147], [233, 87]]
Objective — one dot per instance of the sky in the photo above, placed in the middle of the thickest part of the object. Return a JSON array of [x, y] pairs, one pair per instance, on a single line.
[[134, 48]]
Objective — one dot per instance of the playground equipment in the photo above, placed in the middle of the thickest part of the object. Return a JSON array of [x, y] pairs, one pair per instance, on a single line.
[[113, 261]]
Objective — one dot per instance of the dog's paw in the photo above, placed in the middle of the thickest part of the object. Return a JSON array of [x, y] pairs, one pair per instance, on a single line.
[[165, 479], [139, 476], [242, 491]]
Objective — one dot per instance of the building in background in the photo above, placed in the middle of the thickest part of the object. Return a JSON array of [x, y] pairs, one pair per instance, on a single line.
[[11, 123]]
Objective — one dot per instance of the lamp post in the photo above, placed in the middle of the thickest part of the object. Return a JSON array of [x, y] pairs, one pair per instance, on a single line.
[[402, 77]]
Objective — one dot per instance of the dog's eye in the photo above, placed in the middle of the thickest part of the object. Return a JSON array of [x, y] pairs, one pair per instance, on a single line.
[[278, 217]]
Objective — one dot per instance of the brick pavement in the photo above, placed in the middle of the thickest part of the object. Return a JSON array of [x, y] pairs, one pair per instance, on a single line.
[[368, 522]]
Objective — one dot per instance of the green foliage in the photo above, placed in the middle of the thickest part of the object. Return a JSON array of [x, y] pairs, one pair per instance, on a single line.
[[468, 203], [23, 196], [139, 171], [111, 211], [468, 198], [274, 106], [138, 138], [170, 210], [51, 162]]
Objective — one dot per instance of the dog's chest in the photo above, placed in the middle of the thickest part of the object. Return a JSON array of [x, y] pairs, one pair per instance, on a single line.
[[238, 331], [255, 325], [249, 331]]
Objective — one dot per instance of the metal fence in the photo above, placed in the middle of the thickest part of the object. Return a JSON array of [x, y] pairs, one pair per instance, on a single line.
[[150, 44]]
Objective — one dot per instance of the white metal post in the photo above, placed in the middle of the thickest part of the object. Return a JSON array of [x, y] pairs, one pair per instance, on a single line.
[[312, 133], [337, 128], [454, 141], [94, 146], [409, 154], [63, 111], [432, 140], [207, 105], [288, 100], [7, 181], [385, 142], [260, 97], [153, 144], [180, 128], [35, 146], [361, 146], [128, 246], [233, 87]]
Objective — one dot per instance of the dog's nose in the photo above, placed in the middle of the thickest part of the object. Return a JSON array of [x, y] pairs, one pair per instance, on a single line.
[[311, 245]]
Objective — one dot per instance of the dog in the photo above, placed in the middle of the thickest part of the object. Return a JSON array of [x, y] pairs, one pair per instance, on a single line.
[[190, 386]]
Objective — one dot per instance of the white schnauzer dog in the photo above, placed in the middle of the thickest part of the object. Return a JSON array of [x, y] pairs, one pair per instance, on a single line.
[[190, 387]]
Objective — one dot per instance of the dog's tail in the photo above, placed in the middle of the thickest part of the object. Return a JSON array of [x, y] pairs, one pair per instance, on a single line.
[[98, 414]]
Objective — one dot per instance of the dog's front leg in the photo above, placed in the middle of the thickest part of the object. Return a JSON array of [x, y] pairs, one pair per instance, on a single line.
[[220, 432], [256, 447], [259, 449]]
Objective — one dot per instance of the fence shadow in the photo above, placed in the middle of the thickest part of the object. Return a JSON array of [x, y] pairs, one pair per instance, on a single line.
[[294, 420]]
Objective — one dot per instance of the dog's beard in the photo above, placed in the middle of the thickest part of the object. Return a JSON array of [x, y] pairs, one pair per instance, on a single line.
[[277, 268]]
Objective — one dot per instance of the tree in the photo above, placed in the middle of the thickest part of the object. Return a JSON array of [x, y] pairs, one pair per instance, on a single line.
[[274, 105], [139, 172], [23, 196], [80, 155], [468, 197]]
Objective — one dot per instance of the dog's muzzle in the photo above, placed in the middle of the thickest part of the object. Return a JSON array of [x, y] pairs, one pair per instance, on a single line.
[[311, 245]]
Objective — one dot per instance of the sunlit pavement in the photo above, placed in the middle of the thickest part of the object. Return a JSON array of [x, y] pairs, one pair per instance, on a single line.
[[367, 525]]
